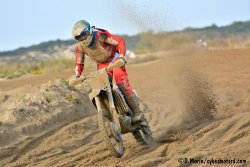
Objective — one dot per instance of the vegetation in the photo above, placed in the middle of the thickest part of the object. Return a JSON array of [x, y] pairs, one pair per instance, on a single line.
[[17, 70], [47, 47], [146, 41], [234, 35]]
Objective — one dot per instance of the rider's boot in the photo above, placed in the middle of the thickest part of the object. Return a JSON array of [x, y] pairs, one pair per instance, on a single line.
[[133, 103]]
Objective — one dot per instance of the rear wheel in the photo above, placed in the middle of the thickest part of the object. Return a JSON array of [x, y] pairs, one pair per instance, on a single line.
[[143, 135], [112, 140]]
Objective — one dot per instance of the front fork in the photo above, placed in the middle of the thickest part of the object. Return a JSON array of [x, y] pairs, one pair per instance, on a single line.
[[113, 111]]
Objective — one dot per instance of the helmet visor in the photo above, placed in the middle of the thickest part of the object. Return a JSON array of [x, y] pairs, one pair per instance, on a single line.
[[83, 36]]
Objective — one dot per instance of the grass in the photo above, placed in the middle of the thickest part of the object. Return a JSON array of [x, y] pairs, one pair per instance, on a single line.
[[17, 70]]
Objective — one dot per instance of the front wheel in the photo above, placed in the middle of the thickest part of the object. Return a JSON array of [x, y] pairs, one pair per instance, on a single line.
[[112, 140]]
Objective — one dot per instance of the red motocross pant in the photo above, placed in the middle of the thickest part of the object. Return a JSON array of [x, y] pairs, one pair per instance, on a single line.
[[121, 78]]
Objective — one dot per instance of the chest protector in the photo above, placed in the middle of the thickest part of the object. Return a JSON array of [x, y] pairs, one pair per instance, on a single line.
[[98, 50]]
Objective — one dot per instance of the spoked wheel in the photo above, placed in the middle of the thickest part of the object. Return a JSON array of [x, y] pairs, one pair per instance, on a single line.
[[110, 137], [143, 135]]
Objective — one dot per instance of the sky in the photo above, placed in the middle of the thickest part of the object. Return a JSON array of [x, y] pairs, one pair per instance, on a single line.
[[28, 22]]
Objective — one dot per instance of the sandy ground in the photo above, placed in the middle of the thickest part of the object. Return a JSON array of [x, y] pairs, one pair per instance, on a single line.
[[197, 103]]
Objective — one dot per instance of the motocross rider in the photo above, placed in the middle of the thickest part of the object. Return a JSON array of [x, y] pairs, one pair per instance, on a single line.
[[104, 48]]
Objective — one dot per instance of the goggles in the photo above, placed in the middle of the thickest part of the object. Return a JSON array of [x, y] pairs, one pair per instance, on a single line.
[[82, 36]]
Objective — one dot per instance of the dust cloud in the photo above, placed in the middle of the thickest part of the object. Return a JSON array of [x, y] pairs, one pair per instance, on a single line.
[[147, 15], [196, 105]]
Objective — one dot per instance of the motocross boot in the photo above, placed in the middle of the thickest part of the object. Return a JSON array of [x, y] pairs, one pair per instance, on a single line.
[[133, 104]]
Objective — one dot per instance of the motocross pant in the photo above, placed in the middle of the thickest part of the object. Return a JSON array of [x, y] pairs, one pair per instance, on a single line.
[[121, 78]]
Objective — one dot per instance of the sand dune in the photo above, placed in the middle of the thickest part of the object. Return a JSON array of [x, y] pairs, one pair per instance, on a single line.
[[197, 103]]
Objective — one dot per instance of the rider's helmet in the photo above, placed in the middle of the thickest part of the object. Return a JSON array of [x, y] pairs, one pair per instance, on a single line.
[[82, 32]]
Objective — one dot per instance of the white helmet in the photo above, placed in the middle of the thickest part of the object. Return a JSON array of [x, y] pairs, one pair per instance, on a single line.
[[82, 32]]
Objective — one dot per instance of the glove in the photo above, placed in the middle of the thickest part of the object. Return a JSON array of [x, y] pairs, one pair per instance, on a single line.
[[123, 62], [76, 80]]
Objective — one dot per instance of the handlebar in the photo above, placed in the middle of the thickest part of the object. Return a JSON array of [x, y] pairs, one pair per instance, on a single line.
[[116, 64]]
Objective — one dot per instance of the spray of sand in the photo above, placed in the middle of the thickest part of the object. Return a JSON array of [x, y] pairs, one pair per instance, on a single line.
[[197, 104], [147, 15]]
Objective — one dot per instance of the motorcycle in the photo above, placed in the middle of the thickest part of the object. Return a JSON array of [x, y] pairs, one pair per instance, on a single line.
[[114, 115]]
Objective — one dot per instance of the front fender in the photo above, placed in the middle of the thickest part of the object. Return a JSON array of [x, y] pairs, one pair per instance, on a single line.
[[94, 93]]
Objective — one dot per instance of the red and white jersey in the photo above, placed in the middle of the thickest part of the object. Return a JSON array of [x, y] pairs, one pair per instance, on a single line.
[[102, 49]]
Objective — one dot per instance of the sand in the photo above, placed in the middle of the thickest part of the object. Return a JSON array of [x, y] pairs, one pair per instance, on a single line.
[[197, 103]]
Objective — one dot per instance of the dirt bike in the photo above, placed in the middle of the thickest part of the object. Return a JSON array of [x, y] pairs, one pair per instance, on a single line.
[[114, 115]]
